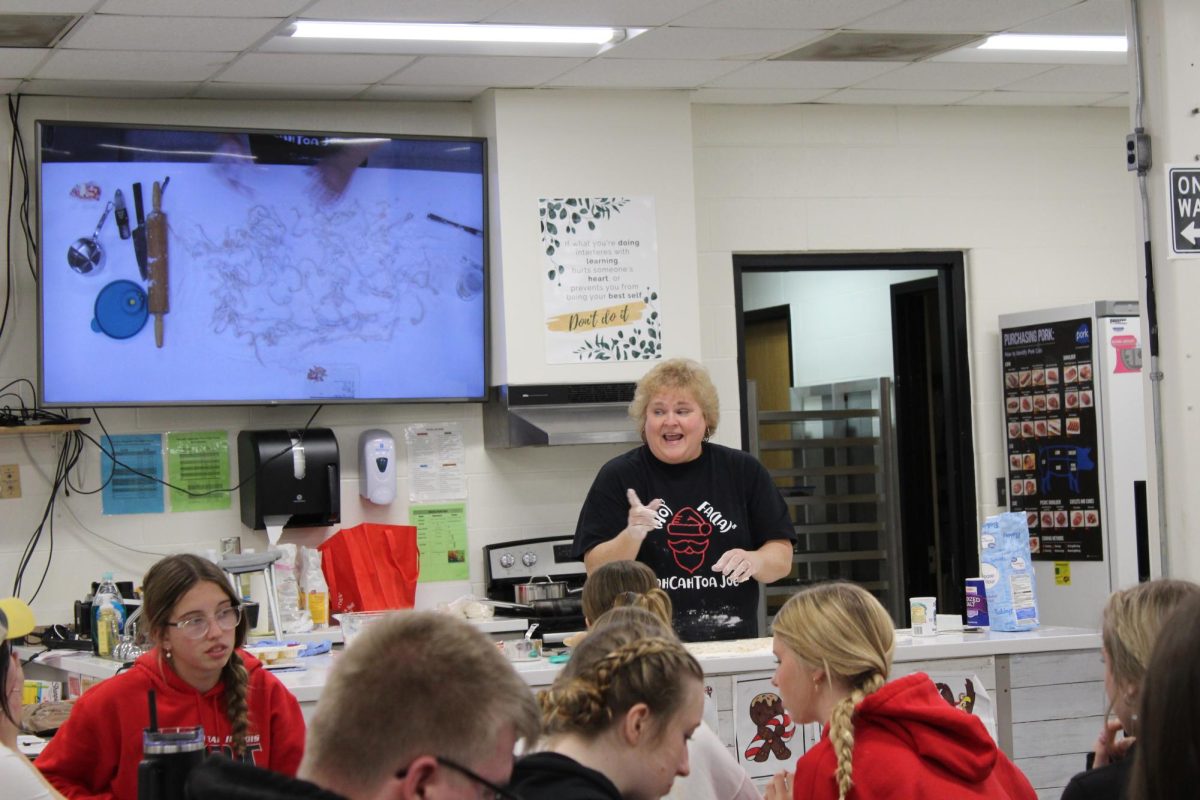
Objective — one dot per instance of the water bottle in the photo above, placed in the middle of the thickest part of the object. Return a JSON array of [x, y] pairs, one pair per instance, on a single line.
[[108, 617]]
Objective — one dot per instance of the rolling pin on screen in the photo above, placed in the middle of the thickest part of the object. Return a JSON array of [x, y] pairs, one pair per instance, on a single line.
[[259, 266]]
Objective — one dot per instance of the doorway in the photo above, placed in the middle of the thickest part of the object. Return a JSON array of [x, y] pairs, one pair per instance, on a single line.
[[925, 359]]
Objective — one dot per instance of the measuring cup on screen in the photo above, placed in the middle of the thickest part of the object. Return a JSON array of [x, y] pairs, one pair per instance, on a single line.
[[86, 256]]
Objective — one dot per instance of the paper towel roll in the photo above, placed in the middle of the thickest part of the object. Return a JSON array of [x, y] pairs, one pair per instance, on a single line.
[[275, 523]]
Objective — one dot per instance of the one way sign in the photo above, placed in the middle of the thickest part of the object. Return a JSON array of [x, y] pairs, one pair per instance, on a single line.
[[1185, 210]]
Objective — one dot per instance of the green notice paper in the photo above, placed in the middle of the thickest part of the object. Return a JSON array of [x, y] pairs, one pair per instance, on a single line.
[[198, 463], [442, 541]]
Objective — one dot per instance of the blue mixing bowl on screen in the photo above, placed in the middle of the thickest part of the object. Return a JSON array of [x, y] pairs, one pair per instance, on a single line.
[[120, 310]]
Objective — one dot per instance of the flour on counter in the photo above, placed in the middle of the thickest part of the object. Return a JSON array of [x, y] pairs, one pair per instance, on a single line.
[[732, 647]]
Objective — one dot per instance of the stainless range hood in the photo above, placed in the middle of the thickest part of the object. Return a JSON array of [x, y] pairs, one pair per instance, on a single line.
[[557, 414]]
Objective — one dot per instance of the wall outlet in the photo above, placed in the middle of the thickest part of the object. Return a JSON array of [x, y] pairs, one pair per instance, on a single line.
[[10, 480]]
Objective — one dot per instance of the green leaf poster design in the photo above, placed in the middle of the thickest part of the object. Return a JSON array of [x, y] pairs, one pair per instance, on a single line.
[[601, 291]]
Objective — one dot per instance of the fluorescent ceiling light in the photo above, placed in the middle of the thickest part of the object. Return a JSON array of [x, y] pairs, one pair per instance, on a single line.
[[1078, 44], [419, 32]]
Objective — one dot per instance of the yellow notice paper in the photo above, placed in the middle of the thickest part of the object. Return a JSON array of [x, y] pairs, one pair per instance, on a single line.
[[441, 540], [1062, 573]]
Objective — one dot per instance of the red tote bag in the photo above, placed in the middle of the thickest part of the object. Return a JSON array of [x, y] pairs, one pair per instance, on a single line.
[[371, 567]]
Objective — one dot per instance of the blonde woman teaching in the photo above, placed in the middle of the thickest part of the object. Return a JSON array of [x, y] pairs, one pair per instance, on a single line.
[[834, 643], [707, 519]]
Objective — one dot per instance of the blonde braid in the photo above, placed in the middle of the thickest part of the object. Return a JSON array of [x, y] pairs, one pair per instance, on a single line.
[[587, 701], [841, 731], [236, 683]]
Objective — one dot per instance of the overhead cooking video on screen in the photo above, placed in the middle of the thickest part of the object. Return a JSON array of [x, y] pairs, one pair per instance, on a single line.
[[203, 265], [1050, 415]]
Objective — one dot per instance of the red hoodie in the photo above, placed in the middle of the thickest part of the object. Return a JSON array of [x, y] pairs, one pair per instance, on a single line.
[[910, 743], [95, 754]]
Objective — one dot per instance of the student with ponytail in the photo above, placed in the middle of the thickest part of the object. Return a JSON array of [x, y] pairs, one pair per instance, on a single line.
[[618, 717], [199, 675], [834, 643]]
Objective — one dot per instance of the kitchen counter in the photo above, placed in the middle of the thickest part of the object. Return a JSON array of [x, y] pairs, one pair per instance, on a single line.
[[1046, 689]]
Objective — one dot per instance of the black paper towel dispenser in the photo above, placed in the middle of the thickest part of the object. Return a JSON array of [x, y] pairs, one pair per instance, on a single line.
[[289, 473]]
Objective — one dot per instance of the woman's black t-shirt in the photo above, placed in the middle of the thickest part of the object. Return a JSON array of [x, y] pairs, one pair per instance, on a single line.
[[722, 500]]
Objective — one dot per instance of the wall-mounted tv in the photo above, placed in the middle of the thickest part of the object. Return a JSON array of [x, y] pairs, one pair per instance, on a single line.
[[200, 266]]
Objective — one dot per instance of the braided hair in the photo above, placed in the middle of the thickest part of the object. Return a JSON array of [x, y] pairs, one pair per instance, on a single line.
[[842, 628], [627, 659], [164, 585]]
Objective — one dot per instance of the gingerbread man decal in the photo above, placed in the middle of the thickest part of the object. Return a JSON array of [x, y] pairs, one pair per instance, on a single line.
[[687, 536], [775, 728], [965, 702]]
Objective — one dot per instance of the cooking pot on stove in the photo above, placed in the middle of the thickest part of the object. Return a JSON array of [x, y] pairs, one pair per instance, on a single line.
[[526, 593]]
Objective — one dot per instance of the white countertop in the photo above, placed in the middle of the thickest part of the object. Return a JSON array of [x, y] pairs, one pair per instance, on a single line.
[[744, 655], [754, 655]]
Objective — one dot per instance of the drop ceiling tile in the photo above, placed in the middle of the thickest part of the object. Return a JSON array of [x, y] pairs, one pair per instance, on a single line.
[[886, 97], [17, 62], [1090, 18], [48, 6], [952, 76], [638, 13], [1116, 101], [644, 74], [211, 8], [273, 91], [9, 86], [959, 16], [1005, 98], [802, 14], [802, 74], [112, 65], [111, 32], [1073, 78], [423, 93], [130, 89], [290, 69], [470, 71], [710, 43], [404, 10], [766, 97]]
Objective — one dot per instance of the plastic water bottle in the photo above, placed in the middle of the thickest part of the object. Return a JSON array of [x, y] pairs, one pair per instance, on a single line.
[[108, 617]]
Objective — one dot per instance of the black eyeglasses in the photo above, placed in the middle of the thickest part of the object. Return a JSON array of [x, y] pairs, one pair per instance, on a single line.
[[497, 792]]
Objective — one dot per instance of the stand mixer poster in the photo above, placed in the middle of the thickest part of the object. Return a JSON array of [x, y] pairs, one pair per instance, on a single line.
[[600, 279], [1050, 420]]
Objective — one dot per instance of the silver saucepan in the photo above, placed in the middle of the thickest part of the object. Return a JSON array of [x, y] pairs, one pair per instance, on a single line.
[[526, 593]]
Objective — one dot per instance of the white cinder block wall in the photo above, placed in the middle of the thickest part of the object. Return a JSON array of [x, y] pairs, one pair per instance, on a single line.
[[1038, 199]]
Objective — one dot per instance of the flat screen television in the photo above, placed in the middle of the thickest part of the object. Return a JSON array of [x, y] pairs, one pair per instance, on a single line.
[[191, 266]]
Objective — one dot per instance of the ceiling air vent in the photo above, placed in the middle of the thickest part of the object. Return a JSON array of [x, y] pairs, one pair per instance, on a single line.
[[846, 46], [33, 30]]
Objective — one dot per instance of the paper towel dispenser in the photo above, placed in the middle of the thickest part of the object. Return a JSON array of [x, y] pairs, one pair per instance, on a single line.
[[289, 473]]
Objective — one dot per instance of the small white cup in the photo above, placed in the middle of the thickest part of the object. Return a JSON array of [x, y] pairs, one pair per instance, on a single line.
[[923, 613]]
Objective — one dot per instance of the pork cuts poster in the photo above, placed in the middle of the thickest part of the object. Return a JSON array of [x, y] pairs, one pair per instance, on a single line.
[[1053, 453]]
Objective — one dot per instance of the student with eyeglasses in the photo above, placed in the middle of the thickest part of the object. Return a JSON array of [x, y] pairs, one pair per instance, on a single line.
[[422, 706], [199, 675]]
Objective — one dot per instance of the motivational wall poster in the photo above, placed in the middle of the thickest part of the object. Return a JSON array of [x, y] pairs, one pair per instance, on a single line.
[[600, 279]]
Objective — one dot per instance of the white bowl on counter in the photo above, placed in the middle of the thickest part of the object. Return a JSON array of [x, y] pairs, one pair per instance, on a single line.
[[354, 622]]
